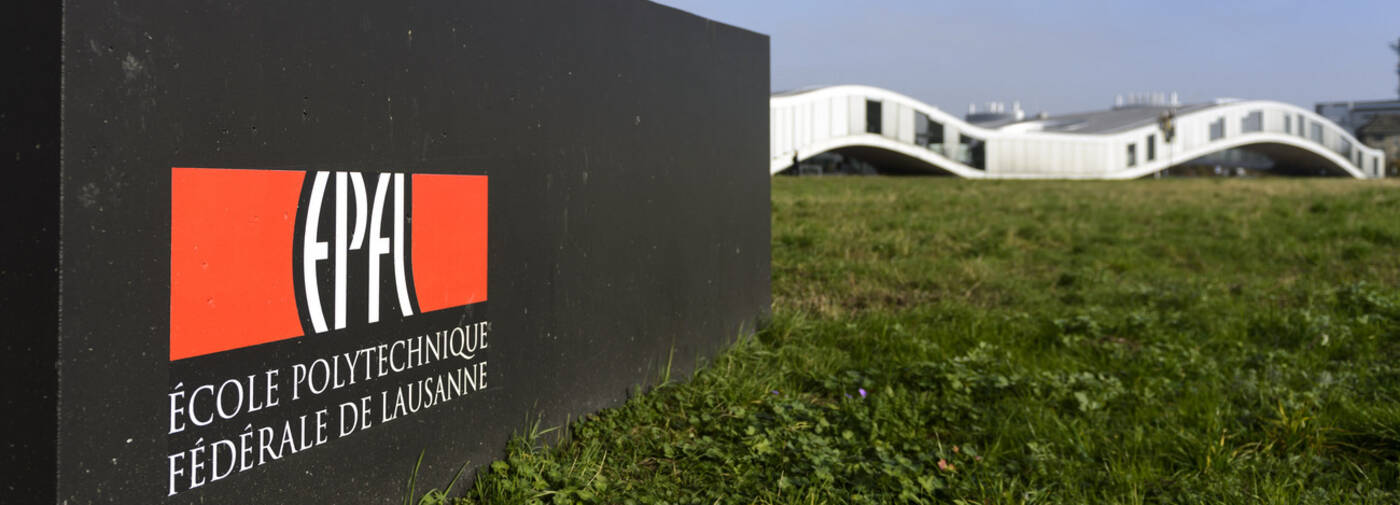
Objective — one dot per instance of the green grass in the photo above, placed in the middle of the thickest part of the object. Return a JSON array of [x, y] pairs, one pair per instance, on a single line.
[[1173, 341]]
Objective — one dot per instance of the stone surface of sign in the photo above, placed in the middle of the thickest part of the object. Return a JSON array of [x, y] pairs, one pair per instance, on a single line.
[[295, 246]]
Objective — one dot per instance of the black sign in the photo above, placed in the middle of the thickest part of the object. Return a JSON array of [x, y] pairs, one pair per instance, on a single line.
[[296, 246]]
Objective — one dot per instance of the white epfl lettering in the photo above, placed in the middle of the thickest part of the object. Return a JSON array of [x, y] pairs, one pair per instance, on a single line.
[[361, 210], [341, 221], [340, 248], [379, 245], [312, 251], [367, 216], [400, 279]]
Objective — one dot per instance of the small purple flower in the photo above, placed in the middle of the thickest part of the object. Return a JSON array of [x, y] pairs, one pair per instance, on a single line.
[[862, 392], [848, 395], [774, 391]]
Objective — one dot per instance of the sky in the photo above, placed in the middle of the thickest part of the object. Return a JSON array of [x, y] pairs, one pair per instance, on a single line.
[[1071, 55]]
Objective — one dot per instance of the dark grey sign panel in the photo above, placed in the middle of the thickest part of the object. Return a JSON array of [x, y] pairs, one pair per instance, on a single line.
[[303, 244], [29, 130]]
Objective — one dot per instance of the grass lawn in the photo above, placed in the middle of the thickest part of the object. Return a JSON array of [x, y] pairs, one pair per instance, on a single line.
[[939, 340]]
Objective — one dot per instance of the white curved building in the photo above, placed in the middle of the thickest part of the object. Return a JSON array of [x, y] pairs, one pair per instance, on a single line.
[[1124, 143]]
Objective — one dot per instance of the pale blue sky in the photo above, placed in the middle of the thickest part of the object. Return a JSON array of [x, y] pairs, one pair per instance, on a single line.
[[1065, 56]]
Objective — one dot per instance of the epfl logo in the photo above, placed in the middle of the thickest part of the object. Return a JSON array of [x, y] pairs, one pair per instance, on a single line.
[[258, 256], [352, 249]]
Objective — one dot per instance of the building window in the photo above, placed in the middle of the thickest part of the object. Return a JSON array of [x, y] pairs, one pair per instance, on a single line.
[[1132, 155], [1151, 147], [927, 132], [1217, 129], [1316, 131], [1300, 125], [1252, 122], [1287, 124], [974, 152], [872, 116], [920, 129]]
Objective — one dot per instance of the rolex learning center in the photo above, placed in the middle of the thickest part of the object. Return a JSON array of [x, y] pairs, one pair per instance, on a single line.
[[1140, 136]]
